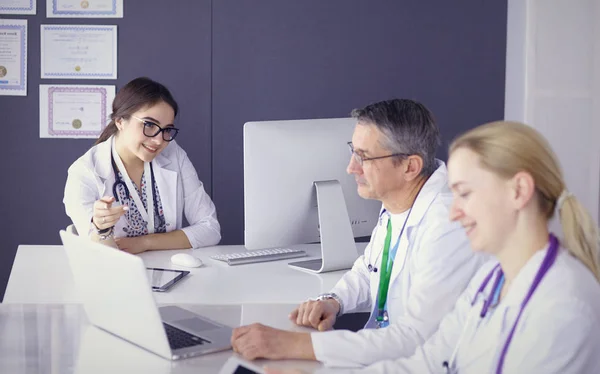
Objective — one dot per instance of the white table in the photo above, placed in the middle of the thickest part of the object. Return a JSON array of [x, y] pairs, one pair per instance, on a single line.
[[43, 338], [41, 274]]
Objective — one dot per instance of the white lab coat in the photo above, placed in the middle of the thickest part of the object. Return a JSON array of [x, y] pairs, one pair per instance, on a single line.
[[433, 266], [91, 177], [559, 330]]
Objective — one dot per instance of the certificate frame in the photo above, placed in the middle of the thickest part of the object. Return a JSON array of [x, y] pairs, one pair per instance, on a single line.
[[21, 88], [48, 110], [53, 10], [47, 72], [30, 9]]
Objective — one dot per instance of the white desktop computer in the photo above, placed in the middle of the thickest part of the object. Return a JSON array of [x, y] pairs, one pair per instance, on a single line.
[[297, 190]]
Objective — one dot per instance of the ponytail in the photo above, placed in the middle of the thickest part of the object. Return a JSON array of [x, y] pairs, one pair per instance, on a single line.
[[580, 232], [507, 148], [108, 131]]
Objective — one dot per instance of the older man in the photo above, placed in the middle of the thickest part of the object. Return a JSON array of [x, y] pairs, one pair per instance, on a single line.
[[415, 266]]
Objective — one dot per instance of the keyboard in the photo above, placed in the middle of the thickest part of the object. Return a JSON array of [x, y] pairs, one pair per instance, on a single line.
[[181, 339], [264, 255]]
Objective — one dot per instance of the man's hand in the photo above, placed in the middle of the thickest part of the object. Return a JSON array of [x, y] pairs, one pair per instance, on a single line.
[[260, 341], [320, 315]]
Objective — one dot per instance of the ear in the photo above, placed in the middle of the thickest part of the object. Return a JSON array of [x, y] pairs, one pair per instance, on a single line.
[[523, 189], [119, 123], [413, 166]]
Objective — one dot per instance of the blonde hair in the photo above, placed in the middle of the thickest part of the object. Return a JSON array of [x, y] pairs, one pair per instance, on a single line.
[[507, 148]]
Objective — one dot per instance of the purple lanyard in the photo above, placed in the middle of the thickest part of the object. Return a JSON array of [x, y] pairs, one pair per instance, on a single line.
[[544, 267]]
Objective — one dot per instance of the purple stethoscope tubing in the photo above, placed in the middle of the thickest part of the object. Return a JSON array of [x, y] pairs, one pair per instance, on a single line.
[[547, 263]]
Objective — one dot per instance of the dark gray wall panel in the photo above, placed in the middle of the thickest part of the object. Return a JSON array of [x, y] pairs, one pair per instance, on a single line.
[[276, 59]]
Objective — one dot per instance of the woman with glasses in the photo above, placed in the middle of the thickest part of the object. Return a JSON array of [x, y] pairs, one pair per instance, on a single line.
[[131, 189]]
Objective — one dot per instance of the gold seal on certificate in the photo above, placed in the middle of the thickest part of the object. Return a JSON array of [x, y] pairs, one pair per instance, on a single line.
[[77, 68], [85, 4], [3, 71], [76, 123]]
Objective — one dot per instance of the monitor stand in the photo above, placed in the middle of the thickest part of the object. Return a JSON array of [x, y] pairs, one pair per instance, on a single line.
[[338, 250]]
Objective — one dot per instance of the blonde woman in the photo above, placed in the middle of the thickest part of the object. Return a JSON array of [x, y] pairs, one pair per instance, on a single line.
[[536, 307]]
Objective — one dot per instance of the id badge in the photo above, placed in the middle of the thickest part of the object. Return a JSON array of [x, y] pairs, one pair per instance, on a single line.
[[385, 321]]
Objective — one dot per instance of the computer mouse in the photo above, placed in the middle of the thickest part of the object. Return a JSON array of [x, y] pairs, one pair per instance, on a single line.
[[184, 259]]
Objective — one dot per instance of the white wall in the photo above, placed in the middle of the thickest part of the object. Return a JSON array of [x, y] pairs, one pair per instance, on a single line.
[[553, 84]]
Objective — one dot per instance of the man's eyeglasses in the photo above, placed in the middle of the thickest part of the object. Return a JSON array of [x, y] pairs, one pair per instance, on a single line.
[[151, 129], [360, 159]]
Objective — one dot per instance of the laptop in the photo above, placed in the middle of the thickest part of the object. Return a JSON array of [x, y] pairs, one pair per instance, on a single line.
[[117, 298]]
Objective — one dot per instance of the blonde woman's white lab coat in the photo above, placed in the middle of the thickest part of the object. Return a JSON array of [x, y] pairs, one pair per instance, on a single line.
[[559, 330], [91, 177], [433, 266]]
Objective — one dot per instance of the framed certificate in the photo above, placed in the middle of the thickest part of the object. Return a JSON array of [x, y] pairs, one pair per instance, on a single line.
[[74, 111], [18, 7], [79, 51], [13, 57], [84, 8]]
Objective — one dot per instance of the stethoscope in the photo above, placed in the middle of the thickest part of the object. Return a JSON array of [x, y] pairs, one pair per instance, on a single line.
[[547, 263], [150, 195]]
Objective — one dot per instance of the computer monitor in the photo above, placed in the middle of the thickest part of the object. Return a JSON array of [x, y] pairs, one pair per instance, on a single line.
[[297, 190]]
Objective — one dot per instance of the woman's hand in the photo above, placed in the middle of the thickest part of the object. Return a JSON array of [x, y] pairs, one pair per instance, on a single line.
[[105, 215], [135, 245]]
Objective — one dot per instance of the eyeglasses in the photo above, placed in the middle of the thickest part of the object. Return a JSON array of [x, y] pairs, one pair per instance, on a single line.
[[151, 129], [360, 159]]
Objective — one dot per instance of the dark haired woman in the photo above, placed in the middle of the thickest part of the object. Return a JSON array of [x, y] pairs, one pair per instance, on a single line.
[[133, 186]]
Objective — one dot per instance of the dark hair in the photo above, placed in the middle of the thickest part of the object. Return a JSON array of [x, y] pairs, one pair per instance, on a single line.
[[135, 95], [408, 126]]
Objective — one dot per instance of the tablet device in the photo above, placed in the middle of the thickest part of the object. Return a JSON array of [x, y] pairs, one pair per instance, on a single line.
[[162, 280], [238, 366]]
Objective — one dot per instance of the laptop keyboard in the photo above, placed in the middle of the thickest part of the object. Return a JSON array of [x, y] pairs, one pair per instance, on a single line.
[[181, 339]]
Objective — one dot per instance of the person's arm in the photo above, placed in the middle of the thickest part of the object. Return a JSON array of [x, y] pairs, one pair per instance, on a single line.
[[445, 265], [259, 341], [104, 219], [354, 288], [352, 292], [204, 229], [154, 242], [430, 356], [79, 197], [562, 338]]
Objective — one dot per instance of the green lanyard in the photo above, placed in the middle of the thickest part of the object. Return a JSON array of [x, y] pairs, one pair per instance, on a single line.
[[386, 272]]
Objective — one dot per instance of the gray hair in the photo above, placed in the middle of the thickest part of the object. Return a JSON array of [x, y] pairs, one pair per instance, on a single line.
[[408, 127]]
